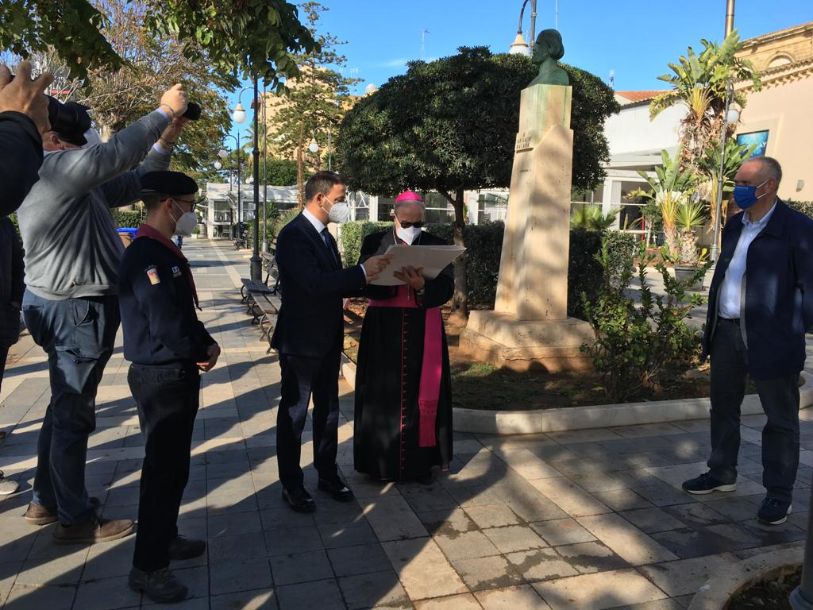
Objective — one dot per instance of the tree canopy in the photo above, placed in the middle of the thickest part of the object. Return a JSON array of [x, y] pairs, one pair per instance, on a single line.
[[312, 105], [232, 37], [120, 98], [451, 124]]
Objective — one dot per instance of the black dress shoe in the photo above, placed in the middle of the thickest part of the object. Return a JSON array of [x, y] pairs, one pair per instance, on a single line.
[[299, 500], [336, 488], [186, 548]]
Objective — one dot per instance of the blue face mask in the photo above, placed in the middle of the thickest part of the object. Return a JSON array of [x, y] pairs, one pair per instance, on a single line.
[[745, 196]]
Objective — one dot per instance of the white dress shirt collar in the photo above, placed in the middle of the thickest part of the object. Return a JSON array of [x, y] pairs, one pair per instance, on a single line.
[[317, 224]]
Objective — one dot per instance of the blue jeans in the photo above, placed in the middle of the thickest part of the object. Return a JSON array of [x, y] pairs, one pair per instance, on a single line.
[[78, 336], [780, 401]]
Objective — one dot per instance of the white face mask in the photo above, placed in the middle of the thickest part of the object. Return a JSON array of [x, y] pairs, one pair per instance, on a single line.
[[339, 212], [409, 234], [186, 223]]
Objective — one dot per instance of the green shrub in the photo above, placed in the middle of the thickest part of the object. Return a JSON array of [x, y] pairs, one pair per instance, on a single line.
[[621, 250], [272, 213], [483, 251], [583, 270], [484, 243], [805, 207], [280, 221], [127, 218], [353, 234], [640, 348]]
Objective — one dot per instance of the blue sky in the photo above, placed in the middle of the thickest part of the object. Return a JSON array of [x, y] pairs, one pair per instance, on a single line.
[[634, 38]]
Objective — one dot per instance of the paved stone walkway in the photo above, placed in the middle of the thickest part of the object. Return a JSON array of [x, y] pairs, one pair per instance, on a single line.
[[590, 519]]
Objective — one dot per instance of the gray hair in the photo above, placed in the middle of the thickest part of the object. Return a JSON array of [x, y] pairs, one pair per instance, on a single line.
[[402, 204], [771, 167]]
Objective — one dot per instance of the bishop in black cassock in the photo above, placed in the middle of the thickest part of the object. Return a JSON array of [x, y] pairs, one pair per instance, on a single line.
[[403, 408]]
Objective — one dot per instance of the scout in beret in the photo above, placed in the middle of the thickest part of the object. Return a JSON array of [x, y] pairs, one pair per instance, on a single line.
[[168, 348]]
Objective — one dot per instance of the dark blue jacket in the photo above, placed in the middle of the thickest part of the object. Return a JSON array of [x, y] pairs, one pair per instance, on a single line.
[[157, 307], [778, 292], [20, 159], [313, 283]]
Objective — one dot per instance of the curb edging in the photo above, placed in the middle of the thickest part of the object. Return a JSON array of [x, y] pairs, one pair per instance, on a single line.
[[718, 590], [563, 419]]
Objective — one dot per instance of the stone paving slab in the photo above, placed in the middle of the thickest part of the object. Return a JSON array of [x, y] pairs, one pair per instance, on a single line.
[[582, 519]]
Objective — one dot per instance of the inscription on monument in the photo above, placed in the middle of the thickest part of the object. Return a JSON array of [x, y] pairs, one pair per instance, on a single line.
[[525, 141]]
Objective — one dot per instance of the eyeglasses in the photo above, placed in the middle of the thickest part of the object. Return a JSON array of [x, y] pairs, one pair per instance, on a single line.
[[406, 225], [192, 202]]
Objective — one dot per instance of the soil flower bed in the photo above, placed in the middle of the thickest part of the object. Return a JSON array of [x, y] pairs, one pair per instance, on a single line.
[[476, 385]]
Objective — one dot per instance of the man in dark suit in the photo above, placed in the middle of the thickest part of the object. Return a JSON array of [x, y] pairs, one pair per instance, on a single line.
[[309, 337]]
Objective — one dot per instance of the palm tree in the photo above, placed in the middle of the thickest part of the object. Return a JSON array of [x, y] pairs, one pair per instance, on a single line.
[[709, 167], [701, 82], [672, 187], [591, 218]]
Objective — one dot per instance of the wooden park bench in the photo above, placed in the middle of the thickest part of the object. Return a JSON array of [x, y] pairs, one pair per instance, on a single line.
[[262, 298], [267, 305], [268, 285]]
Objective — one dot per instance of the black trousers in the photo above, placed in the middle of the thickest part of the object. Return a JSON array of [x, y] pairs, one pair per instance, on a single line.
[[168, 400], [780, 401], [301, 378]]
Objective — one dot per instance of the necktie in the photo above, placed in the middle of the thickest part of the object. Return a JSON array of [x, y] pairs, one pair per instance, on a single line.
[[328, 243]]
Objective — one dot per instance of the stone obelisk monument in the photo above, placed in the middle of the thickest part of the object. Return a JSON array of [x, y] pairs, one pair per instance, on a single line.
[[529, 326]]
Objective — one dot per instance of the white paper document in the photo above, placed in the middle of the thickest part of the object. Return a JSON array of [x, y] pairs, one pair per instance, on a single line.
[[433, 259]]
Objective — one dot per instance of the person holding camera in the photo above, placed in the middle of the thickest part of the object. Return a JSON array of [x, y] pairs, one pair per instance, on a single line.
[[23, 117], [72, 254]]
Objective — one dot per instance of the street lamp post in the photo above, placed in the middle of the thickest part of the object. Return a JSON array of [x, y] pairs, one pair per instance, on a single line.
[[256, 269], [265, 177], [256, 261], [519, 46], [239, 116], [223, 154]]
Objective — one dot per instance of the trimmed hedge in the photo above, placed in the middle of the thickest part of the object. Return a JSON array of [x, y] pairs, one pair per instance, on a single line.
[[353, 234], [484, 248], [805, 207], [583, 270], [484, 243], [127, 218]]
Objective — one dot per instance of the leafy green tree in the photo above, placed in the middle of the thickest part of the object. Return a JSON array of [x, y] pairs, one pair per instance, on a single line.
[[450, 126], [117, 99], [233, 37], [70, 27], [280, 172], [314, 101]]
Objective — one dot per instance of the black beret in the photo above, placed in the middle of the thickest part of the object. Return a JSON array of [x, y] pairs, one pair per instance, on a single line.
[[73, 123], [168, 183]]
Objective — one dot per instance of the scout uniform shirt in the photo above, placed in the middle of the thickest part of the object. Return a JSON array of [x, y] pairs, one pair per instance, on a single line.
[[157, 300]]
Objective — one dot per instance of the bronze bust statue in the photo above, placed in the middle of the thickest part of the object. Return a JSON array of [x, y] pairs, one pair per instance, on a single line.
[[547, 51]]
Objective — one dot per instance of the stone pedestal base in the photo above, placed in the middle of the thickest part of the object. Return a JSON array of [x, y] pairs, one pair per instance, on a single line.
[[520, 345]]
